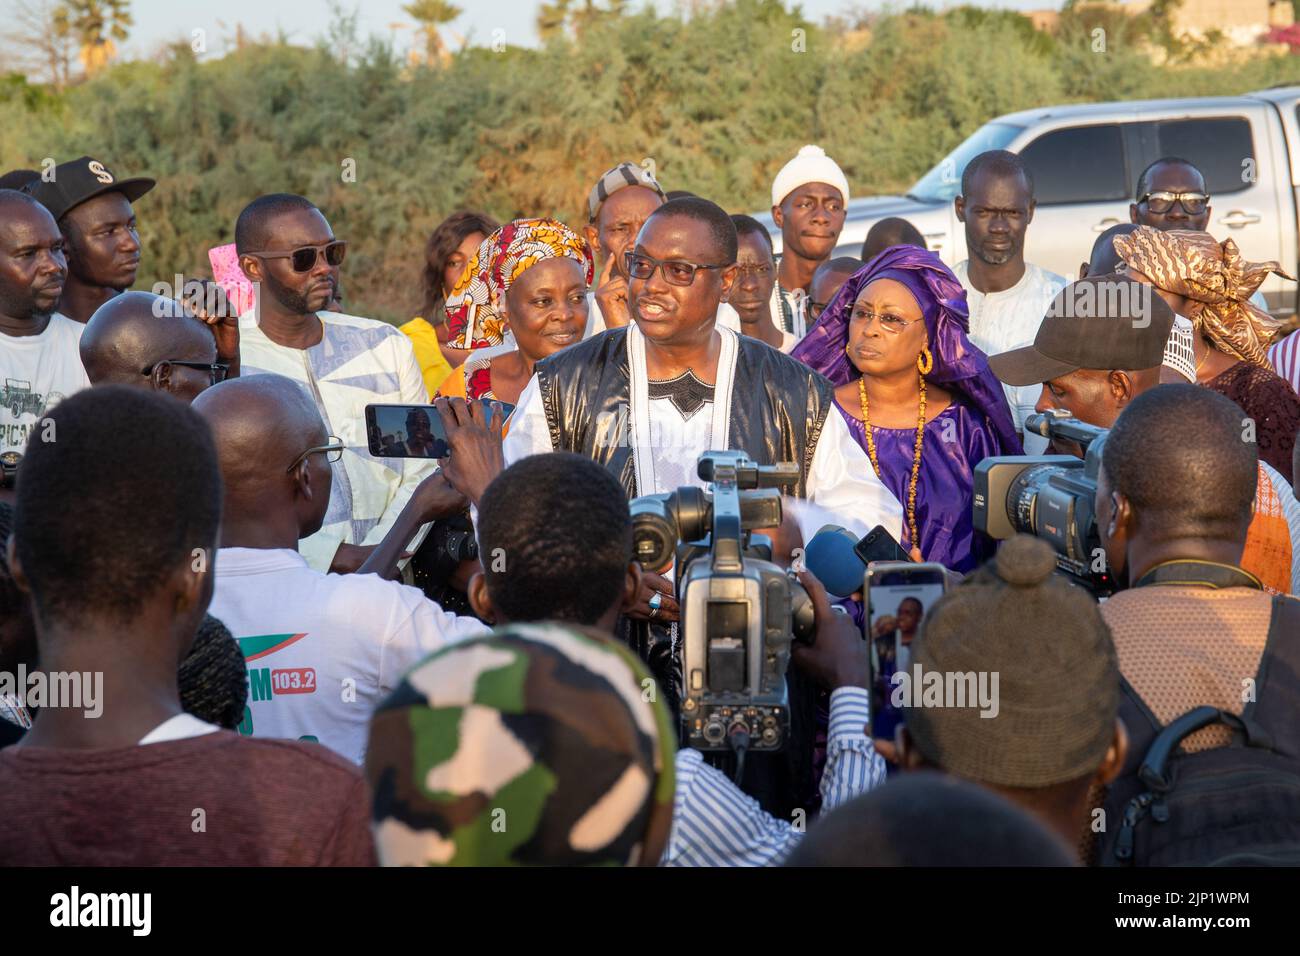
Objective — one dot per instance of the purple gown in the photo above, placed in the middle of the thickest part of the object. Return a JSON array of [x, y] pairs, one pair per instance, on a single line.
[[944, 485]]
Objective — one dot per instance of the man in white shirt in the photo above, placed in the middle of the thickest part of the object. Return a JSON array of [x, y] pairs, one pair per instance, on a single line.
[[39, 364], [1007, 296], [287, 248], [764, 312], [810, 197], [322, 649]]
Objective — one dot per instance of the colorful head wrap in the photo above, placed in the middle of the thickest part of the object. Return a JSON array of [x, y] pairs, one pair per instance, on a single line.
[[1217, 280], [474, 306], [958, 365], [533, 745]]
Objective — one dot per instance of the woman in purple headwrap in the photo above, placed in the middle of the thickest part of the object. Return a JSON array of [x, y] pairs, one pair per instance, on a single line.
[[916, 394]]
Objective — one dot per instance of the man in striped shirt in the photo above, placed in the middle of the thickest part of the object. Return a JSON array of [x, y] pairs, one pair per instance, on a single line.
[[555, 533]]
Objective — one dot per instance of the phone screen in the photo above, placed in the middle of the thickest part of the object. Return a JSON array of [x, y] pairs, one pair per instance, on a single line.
[[899, 595], [405, 431], [497, 420]]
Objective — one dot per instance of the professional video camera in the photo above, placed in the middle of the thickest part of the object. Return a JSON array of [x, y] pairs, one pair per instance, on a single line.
[[1051, 497], [739, 611]]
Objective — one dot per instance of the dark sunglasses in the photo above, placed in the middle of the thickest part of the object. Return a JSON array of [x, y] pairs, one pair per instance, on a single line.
[[676, 271], [1161, 202], [333, 452], [217, 371], [304, 258]]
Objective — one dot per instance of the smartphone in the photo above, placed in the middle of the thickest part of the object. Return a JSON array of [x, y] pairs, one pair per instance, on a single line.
[[898, 596], [416, 431], [879, 545], [405, 431]]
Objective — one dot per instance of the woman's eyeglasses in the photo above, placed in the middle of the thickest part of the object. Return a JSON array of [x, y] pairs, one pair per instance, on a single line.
[[304, 258], [1193, 203], [333, 452], [676, 271], [217, 371], [890, 323]]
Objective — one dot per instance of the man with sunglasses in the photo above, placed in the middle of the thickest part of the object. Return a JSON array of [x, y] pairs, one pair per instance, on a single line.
[[288, 250], [148, 341], [322, 649], [647, 400], [1171, 194]]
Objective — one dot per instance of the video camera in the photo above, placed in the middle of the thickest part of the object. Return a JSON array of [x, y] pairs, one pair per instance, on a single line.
[[739, 611], [1051, 497]]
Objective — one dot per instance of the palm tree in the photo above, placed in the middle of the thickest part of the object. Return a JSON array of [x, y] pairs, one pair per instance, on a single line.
[[95, 24], [430, 14]]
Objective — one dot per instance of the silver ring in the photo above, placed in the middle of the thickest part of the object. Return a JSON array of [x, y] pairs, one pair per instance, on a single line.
[[656, 601]]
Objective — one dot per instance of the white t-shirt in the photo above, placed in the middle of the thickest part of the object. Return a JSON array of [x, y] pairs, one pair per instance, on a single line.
[[1002, 321], [323, 649], [36, 373]]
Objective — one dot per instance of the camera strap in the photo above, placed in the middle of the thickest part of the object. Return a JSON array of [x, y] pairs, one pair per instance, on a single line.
[[1197, 573]]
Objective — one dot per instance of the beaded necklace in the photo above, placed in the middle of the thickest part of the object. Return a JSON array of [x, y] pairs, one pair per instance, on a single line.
[[916, 455]]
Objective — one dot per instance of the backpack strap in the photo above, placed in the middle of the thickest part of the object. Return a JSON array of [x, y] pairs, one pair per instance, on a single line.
[[1277, 682], [1153, 771]]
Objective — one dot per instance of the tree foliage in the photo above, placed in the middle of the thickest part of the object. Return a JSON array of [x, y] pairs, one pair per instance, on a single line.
[[718, 101]]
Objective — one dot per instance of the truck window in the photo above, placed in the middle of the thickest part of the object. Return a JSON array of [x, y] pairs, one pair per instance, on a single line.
[[1081, 164], [1218, 147]]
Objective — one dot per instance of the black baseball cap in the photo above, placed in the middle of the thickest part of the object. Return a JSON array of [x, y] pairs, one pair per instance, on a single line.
[[1101, 322], [81, 179]]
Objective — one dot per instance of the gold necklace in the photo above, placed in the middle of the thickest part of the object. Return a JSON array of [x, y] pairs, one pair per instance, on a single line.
[[916, 454]]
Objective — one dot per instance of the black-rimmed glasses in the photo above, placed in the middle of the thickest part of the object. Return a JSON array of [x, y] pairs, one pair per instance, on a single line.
[[217, 371], [676, 271]]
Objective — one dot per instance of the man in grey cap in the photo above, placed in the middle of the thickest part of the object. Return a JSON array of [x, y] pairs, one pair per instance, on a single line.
[[1100, 345], [93, 209], [617, 206], [1056, 733]]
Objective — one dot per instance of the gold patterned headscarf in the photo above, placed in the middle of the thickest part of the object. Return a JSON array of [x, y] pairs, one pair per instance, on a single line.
[[1217, 280]]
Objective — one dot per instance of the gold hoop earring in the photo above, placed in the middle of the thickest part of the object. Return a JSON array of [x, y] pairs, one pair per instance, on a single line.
[[925, 361]]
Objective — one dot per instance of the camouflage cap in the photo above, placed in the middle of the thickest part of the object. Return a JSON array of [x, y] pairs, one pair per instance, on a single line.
[[533, 745]]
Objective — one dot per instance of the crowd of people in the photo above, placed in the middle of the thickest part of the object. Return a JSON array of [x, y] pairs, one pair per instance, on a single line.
[[196, 525]]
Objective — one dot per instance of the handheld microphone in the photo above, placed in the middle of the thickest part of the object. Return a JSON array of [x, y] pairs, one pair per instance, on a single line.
[[831, 558]]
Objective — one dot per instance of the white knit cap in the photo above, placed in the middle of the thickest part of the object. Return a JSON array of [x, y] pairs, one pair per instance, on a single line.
[[811, 165], [1179, 354]]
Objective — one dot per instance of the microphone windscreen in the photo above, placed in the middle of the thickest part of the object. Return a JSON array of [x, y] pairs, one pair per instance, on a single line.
[[831, 559]]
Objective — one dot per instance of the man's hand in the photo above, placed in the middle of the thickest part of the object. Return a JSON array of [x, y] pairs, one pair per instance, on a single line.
[[475, 457], [225, 331], [838, 656], [652, 584], [611, 295], [885, 624], [436, 498], [349, 557]]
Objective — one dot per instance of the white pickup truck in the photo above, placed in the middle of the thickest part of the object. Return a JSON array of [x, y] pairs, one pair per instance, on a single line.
[[1085, 159]]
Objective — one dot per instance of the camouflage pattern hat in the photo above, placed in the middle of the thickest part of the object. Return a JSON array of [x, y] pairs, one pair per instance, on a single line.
[[533, 745]]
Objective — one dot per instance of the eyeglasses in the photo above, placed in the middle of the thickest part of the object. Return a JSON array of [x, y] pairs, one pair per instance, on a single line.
[[1193, 203], [304, 258], [890, 323], [676, 271], [217, 371], [333, 452]]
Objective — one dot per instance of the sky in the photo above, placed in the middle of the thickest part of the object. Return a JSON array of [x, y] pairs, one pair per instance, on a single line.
[[158, 22]]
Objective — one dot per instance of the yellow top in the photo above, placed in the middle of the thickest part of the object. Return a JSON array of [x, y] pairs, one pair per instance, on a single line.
[[424, 340]]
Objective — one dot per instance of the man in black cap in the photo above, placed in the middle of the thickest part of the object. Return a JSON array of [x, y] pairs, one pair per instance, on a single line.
[[93, 209], [1100, 345]]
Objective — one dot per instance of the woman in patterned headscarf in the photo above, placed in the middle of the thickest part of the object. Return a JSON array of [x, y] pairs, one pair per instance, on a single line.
[[916, 394], [1210, 283], [521, 298]]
